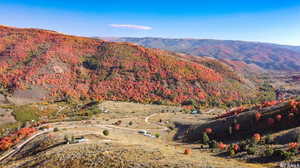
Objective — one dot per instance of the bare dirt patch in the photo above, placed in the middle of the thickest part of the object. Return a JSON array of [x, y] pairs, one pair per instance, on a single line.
[[132, 109], [32, 95], [6, 116]]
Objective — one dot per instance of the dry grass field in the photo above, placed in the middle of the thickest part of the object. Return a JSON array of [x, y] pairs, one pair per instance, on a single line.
[[124, 146]]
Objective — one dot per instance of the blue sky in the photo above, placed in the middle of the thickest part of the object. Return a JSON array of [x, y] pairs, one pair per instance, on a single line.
[[274, 21]]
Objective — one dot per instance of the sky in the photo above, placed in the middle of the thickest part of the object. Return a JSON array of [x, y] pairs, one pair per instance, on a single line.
[[276, 21]]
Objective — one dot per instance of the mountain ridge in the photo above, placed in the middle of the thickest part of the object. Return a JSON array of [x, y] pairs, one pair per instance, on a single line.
[[266, 55]]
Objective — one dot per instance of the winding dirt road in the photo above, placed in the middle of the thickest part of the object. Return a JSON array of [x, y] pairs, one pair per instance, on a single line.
[[18, 147]]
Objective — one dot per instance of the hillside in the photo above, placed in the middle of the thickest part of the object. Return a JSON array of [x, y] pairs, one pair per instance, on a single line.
[[264, 133], [264, 55], [123, 147], [41, 64], [266, 118]]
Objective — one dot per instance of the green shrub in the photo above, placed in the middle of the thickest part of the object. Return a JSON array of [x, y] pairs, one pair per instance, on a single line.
[[293, 150], [55, 129], [106, 132], [231, 152], [268, 152], [130, 123], [283, 155], [93, 110], [157, 135], [25, 113], [91, 63], [212, 144], [251, 150], [205, 138]]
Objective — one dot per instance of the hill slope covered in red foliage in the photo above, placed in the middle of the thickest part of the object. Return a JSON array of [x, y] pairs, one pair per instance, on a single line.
[[89, 68]]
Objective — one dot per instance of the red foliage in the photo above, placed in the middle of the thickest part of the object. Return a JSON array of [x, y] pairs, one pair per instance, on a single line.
[[208, 130], [128, 72], [234, 111], [295, 106], [222, 146], [237, 127], [187, 151], [8, 141], [188, 107], [278, 117], [293, 145], [257, 116], [256, 137], [270, 103], [236, 147]]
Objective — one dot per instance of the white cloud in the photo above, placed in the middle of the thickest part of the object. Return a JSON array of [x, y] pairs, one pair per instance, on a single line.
[[130, 26]]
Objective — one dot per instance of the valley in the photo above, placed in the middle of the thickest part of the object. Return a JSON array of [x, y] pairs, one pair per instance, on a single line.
[[122, 137], [168, 128], [70, 101]]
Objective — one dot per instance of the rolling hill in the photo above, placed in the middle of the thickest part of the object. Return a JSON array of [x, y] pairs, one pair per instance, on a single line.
[[265, 55], [48, 65]]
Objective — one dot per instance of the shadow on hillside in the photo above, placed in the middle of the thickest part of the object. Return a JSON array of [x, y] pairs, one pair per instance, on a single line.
[[181, 131], [36, 149], [263, 159]]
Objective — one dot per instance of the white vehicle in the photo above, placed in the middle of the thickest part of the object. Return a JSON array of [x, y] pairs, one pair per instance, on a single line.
[[149, 135]]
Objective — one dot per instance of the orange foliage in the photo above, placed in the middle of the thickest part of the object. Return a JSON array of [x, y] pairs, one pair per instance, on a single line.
[[187, 151], [128, 72], [235, 111], [222, 146], [236, 147], [293, 145], [257, 116], [256, 137], [278, 117], [237, 127], [8, 141], [270, 103], [208, 130], [295, 106]]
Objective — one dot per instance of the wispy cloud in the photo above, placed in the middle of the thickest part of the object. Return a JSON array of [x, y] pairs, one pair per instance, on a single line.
[[129, 26]]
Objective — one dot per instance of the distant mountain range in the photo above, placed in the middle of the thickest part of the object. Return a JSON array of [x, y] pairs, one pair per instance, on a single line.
[[294, 48], [265, 55]]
